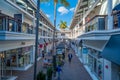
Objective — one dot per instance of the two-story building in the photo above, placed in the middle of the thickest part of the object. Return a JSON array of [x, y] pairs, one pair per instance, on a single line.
[[17, 36], [95, 30]]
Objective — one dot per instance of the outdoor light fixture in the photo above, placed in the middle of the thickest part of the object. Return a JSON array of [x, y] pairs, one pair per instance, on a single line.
[[2, 55]]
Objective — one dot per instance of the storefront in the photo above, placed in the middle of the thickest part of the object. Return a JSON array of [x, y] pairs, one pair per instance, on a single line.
[[15, 59], [18, 59], [95, 63], [41, 47], [115, 71]]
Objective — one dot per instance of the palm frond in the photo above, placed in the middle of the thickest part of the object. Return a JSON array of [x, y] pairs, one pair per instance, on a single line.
[[55, 1], [44, 0], [65, 3], [63, 24]]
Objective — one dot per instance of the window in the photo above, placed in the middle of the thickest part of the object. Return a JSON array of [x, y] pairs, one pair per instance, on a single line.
[[115, 21], [1, 26], [11, 25]]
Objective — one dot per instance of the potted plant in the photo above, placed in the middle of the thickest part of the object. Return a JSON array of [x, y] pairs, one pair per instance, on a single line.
[[41, 76], [49, 73]]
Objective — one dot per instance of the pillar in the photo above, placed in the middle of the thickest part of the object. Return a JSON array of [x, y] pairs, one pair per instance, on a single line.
[[110, 17]]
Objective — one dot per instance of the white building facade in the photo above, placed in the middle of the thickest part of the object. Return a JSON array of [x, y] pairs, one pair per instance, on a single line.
[[95, 30], [17, 36]]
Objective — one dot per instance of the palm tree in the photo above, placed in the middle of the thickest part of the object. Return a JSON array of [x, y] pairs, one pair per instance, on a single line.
[[63, 25], [66, 4]]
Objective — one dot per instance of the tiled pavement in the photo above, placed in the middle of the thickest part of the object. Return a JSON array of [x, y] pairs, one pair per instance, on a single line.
[[73, 71], [28, 75]]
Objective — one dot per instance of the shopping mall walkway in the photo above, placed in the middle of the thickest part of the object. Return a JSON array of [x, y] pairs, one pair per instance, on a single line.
[[75, 70]]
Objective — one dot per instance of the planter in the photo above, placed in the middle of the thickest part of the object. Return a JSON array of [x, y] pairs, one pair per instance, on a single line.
[[41, 76], [49, 73]]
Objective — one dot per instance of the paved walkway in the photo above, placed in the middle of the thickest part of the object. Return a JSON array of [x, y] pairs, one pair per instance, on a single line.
[[74, 70], [28, 75]]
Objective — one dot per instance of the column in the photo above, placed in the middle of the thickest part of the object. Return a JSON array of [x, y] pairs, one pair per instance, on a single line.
[[110, 17], [83, 29], [107, 70], [78, 30]]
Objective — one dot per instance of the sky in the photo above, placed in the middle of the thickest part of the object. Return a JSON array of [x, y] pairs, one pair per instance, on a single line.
[[63, 13]]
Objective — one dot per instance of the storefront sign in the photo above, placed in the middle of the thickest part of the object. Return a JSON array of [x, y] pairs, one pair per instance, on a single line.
[[84, 50]]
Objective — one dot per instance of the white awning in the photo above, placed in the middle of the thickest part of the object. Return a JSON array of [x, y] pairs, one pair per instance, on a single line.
[[41, 41], [95, 44]]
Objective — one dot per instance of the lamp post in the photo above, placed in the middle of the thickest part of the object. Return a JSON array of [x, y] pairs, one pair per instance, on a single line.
[[36, 39], [54, 51]]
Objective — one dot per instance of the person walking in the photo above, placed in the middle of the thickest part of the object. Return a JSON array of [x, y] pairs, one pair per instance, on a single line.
[[70, 57], [59, 70], [63, 55], [43, 55], [45, 62]]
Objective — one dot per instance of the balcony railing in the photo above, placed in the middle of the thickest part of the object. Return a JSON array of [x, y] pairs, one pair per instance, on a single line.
[[10, 24], [14, 25], [24, 5], [95, 23]]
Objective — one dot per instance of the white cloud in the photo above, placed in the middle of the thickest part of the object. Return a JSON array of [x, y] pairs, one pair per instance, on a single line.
[[48, 15], [72, 9], [63, 10]]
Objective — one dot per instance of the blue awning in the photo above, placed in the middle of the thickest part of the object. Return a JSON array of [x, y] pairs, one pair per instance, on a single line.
[[112, 49]]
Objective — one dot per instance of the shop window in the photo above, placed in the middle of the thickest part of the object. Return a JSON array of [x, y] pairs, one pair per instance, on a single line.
[[115, 21], [30, 30], [18, 57], [11, 25], [1, 24], [90, 62], [100, 70], [18, 27], [24, 28]]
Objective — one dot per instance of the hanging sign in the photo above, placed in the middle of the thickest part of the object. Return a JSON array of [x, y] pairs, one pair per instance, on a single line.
[[84, 50]]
